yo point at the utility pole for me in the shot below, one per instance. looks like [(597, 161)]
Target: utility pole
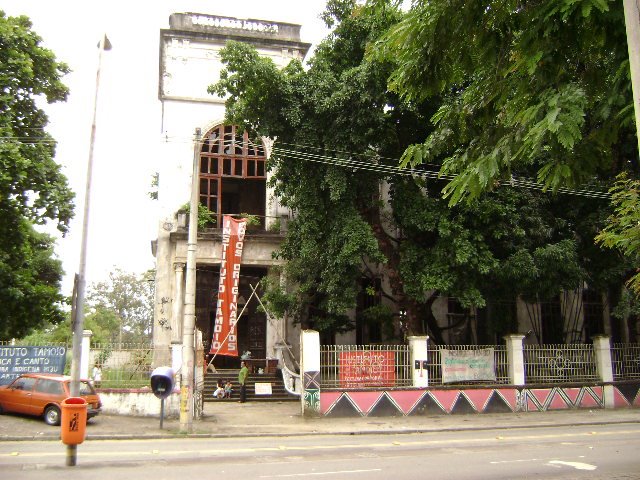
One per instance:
[(632, 22), (189, 322), (78, 318)]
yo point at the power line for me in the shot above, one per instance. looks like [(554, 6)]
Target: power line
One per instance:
[(353, 163), (368, 166), (388, 170)]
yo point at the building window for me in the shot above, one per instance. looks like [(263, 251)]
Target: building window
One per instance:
[(233, 174)]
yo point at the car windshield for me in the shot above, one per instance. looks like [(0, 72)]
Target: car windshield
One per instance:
[(24, 383), (86, 389)]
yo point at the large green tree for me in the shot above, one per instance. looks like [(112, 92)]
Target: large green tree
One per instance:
[(128, 296), (499, 245), (533, 89), (526, 88), (32, 188)]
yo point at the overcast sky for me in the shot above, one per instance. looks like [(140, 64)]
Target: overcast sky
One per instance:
[(122, 218)]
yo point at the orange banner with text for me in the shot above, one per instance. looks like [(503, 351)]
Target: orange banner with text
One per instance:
[(225, 337)]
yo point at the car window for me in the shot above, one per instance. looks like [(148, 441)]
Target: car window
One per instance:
[(25, 383), (50, 386), (86, 389)]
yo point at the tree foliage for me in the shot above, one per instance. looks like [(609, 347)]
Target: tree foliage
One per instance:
[(500, 244), (100, 321), (526, 88), (337, 104), (130, 298), (32, 188), (622, 231), (29, 282)]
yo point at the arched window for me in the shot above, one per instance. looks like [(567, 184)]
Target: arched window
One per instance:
[(232, 173)]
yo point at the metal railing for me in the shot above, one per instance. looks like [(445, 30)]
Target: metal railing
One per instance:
[(123, 365), (364, 366), (435, 362), (625, 359), (373, 366), (560, 363)]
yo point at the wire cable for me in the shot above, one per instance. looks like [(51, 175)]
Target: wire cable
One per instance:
[(300, 152)]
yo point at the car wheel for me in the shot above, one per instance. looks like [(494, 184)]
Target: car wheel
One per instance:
[(52, 415), (1, 410)]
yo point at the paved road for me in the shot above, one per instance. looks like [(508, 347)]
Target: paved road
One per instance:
[(583, 451), (284, 418)]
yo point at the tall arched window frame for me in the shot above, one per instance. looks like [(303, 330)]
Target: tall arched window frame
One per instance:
[(228, 161)]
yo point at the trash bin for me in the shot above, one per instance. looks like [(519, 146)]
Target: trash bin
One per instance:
[(73, 421)]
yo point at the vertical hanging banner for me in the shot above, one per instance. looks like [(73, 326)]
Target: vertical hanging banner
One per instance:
[(225, 337)]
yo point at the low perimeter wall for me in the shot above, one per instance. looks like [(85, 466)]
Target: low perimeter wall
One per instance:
[(138, 402), (507, 399)]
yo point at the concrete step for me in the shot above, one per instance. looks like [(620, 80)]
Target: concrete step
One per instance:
[(278, 392)]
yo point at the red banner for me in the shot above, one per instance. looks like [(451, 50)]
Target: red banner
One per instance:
[(364, 368), (225, 337)]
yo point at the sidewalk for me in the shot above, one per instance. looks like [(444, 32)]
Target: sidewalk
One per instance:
[(227, 419)]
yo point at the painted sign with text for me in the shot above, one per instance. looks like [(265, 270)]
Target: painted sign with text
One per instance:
[(363, 368), (467, 365), (14, 361), (225, 337)]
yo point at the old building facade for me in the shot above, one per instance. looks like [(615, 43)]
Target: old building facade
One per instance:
[(232, 179)]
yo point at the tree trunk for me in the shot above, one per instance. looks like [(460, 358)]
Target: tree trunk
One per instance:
[(433, 329)]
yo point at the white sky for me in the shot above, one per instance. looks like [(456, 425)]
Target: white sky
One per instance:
[(122, 217)]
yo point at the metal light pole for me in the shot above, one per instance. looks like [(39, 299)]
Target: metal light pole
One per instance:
[(189, 322), (78, 317)]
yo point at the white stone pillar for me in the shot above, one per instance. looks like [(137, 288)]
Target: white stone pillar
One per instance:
[(178, 303), (310, 372), (515, 359), (276, 329), (84, 353), (164, 291), (419, 354), (604, 367)]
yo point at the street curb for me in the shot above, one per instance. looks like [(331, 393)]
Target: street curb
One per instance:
[(161, 436)]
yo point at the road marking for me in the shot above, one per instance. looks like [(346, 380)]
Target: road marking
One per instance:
[(576, 465), (320, 473), (498, 462), (89, 452)]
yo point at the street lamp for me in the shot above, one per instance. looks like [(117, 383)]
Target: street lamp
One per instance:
[(78, 311), (187, 384)]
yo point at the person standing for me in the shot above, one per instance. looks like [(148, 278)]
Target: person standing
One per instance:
[(242, 378), (96, 375)]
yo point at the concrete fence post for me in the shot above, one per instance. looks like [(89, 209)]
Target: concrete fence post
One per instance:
[(85, 349), (515, 359), (419, 355), (310, 372), (604, 366)]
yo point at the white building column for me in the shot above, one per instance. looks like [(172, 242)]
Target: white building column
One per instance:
[(419, 354), (276, 329), (164, 291), (604, 367), (515, 359), (310, 372)]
